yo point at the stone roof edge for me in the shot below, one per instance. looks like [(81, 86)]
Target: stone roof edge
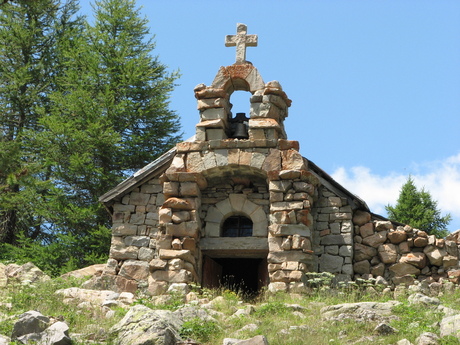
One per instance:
[(355, 201), (139, 177)]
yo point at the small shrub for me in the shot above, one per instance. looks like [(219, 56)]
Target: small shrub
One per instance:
[(174, 302), (317, 280), (230, 296), (271, 308), (199, 329)]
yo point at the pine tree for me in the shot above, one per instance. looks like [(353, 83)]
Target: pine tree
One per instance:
[(110, 116), (134, 84), (84, 106), (419, 210), (31, 33)]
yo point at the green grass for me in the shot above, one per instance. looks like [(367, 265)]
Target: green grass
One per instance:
[(272, 314), (18, 299)]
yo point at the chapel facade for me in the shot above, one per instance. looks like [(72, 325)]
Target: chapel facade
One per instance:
[(238, 205)]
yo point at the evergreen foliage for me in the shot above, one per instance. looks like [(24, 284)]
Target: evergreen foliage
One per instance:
[(31, 36), (417, 209), (95, 110)]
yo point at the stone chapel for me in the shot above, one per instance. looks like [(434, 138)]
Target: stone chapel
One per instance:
[(237, 205)]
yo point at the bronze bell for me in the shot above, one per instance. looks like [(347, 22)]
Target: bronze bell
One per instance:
[(241, 131), (240, 128)]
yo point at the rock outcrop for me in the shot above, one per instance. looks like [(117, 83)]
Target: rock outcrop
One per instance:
[(35, 328), (21, 274), (144, 326)]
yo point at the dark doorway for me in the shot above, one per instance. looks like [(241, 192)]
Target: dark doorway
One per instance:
[(245, 276)]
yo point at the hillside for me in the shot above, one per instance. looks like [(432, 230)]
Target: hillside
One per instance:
[(357, 313)]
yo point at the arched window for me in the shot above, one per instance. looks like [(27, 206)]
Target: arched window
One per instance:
[(237, 226)]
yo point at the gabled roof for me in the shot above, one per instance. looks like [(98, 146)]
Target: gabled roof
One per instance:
[(139, 177), (160, 164)]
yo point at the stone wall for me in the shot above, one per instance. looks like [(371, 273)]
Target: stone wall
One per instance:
[(333, 240), (400, 254), (353, 244), (135, 223), (289, 239)]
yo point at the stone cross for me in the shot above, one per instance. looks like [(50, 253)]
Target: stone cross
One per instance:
[(241, 40)]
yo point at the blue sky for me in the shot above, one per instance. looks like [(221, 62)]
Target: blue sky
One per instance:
[(375, 85)]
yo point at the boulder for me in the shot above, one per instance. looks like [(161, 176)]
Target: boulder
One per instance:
[(362, 267), (454, 236), (366, 230), (111, 282), (404, 342), (92, 297), (25, 274), (378, 270), (250, 328), (450, 325), (406, 280), (361, 217), (435, 254), (93, 270), (419, 298), (364, 311), (32, 326), (454, 276), (189, 312), (397, 236), (449, 261), (420, 242), (376, 239), (384, 329), (30, 322), (427, 338), (401, 269), (388, 253), (144, 326), (415, 259), (363, 252), (56, 334), (383, 225), (4, 340), (451, 248), (135, 270)]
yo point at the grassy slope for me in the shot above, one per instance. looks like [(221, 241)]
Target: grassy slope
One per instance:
[(271, 315)]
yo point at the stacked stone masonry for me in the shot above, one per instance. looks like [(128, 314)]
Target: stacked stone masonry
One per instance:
[(302, 220), (333, 234), (401, 254)]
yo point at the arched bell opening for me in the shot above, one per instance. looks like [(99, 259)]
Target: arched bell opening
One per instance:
[(239, 115)]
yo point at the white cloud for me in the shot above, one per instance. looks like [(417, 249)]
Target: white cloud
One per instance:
[(440, 178)]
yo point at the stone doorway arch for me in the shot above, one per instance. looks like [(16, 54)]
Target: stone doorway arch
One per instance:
[(238, 263), (236, 204)]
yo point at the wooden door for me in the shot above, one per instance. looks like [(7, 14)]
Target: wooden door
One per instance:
[(263, 278), (212, 273)]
